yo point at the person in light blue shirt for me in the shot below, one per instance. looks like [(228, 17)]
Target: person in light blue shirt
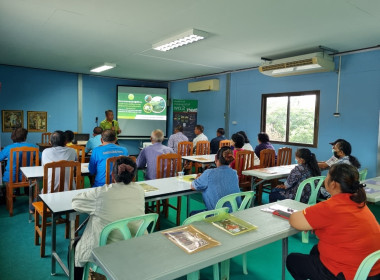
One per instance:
[(95, 141), (218, 182), (99, 156), (19, 138)]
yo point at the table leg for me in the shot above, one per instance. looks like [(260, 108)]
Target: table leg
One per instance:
[(53, 243), (71, 263), (284, 255), (30, 199), (253, 188)]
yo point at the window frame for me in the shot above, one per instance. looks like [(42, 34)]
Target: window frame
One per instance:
[(291, 94)]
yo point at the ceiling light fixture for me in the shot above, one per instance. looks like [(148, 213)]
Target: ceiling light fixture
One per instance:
[(106, 66), (188, 37)]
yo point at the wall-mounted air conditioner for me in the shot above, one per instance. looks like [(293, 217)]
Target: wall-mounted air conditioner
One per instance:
[(207, 85), (297, 65)]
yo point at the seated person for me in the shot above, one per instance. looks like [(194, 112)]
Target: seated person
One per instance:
[(18, 137), (237, 143), (119, 200), (307, 167), (264, 143), (198, 130), (214, 144), (247, 146), (342, 153), (327, 164), (99, 156), (95, 141), (69, 137), (148, 156), (346, 228), (218, 182), (176, 138), (58, 152)]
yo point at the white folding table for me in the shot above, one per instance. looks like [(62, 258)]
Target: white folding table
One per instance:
[(153, 256), (59, 203), (373, 189), (204, 159)]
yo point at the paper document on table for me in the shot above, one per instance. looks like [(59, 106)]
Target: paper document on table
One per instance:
[(201, 158), (148, 188), (187, 178), (371, 190), (265, 170), (372, 182), (231, 224), (276, 207)]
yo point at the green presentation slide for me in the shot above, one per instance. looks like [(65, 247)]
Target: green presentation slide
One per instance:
[(141, 106)]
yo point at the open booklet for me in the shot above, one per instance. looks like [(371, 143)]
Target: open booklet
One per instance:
[(147, 188), (190, 239), (231, 224), (279, 210), (187, 178)]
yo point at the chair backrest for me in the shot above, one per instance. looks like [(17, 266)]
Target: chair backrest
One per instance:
[(224, 143), (109, 166), (244, 160), (203, 215), (366, 265), (168, 165), (185, 148), (20, 157), (122, 226), (284, 156), (363, 174), (62, 167), (80, 152), (314, 188), (231, 199), (203, 148), (45, 137), (267, 157)]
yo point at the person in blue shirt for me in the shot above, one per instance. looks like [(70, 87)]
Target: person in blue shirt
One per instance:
[(19, 138), (218, 182), (214, 144), (95, 141), (99, 156)]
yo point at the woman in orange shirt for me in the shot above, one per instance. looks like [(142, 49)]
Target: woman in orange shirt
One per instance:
[(347, 230)]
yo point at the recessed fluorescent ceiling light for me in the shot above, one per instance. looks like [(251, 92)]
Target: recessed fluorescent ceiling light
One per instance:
[(106, 66), (180, 40)]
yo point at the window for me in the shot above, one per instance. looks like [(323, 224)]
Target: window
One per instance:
[(291, 118)]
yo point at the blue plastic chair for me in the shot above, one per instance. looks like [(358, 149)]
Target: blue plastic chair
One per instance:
[(246, 197), (313, 196), (122, 226), (366, 266), (200, 217)]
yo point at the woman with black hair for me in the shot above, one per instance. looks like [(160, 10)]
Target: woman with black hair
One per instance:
[(217, 182), (119, 200), (237, 143), (247, 146), (342, 151), (347, 230), (307, 167), (263, 139)]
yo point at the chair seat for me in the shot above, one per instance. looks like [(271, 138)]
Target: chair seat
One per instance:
[(38, 206)]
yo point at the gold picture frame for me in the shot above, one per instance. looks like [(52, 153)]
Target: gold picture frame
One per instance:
[(12, 119), (37, 121)]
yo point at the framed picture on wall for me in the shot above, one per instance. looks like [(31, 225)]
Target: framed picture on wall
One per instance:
[(12, 119), (37, 121)]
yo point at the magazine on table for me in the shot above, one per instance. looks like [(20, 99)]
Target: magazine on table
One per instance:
[(231, 224), (147, 187), (190, 239), (187, 178)]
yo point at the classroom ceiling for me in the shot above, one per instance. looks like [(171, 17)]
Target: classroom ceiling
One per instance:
[(74, 35)]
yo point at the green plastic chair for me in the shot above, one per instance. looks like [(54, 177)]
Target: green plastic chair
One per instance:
[(363, 174), (313, 196), (200, 217), (122, 226), (246, 197), (231, 198), (366, 266)]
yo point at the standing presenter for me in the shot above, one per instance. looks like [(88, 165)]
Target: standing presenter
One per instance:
[(110, 123)]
